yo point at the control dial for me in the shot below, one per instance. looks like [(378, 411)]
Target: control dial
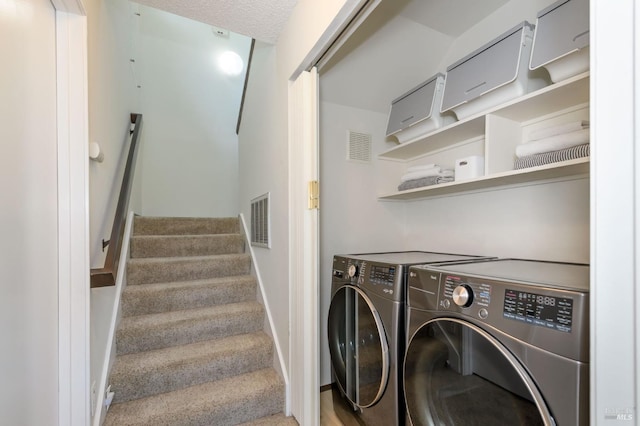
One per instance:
[(463, 296), (353, 271)]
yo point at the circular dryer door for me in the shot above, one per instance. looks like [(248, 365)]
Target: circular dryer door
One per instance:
[(457, 374), (358, 346)]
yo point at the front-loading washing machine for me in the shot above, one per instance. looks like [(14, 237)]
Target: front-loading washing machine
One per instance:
[(502, 342), (366, 330)]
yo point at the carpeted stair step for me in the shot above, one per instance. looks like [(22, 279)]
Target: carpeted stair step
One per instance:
[(177, 296), (144, 225), (230, 401), (156, 331), (276, 420), (168, 269), (185, 245), (148, 373)]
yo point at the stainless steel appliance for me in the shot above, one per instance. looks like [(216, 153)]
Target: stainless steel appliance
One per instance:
[(366, 330), (498, 342)]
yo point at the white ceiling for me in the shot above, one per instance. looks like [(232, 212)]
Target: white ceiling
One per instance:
[(259, 19)]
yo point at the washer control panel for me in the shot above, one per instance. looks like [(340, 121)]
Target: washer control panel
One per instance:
[(381, 278), (382, 275), (542, 313)]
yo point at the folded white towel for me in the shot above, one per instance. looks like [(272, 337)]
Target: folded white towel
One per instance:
[(421, 167), (553, 143), (434, 172), (419, 174), (558, 130)]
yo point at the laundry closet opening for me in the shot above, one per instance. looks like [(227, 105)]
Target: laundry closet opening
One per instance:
[(490, 205)]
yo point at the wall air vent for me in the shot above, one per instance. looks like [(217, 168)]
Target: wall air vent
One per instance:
[(358, 147), (260, 229)]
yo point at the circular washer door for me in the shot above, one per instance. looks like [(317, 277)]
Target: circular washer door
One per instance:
[(455, 373), (358, 346)]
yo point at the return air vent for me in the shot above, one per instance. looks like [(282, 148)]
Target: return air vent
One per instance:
[(359, 147), (260, 232)]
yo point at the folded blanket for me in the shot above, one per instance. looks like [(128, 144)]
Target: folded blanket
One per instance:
[(426, 181), (434, 171), (553, 143), (558, 130), (572, 153)]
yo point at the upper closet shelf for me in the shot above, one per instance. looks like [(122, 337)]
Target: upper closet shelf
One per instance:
[(555, 97), (563, 170)]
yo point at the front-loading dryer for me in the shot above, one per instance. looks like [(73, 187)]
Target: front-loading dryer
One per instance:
[(503, 342), (366, 330)]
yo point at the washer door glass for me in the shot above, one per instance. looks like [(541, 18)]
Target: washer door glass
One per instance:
[(457, 374), (358, 346)]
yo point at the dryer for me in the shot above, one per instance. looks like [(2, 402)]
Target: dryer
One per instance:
[(366, 329), (498, 342)]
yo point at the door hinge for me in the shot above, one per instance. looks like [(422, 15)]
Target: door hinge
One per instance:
[(314, 195)]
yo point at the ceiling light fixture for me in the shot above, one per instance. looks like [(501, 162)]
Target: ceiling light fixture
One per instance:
[(230, 63)]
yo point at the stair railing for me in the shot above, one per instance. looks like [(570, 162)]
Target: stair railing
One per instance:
[(106, 276)]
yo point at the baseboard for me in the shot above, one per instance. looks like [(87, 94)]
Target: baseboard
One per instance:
[(265, 301), (109, 356), (327, 387)]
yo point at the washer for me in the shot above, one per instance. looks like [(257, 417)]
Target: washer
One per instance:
[(498, 342), (366, 329)]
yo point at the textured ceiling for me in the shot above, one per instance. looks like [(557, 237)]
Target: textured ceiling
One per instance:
[(259, 19)]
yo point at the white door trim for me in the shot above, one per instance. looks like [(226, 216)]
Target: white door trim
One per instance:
[(303, 103), (615, 244), (73, 214), (303, 249)]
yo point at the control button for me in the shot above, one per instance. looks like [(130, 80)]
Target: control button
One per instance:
[(353, 271), (483, 313), (463, 296), (446, 303)]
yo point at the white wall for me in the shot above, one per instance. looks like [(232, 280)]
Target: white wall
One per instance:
[(112, 97), (307, 25), (263, 168), (28, 217), (190, 153), (540, 221), (263, 156), (354, 70), (351, 219)]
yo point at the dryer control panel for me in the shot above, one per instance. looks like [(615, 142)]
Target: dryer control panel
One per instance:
[(463, 295), (543, 310)]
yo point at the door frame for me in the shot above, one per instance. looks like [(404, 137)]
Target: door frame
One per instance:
[(303, 399), (615, 237), (615, 206), (73, 213), (303, 253)]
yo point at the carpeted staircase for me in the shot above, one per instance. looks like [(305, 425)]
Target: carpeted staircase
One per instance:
[(190, 344)]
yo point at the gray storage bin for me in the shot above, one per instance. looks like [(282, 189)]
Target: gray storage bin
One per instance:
[(561, 40), (417, 112), (493, 74)]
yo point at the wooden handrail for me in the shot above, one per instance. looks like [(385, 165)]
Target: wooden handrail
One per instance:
[(106, 276), (246, 82)]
